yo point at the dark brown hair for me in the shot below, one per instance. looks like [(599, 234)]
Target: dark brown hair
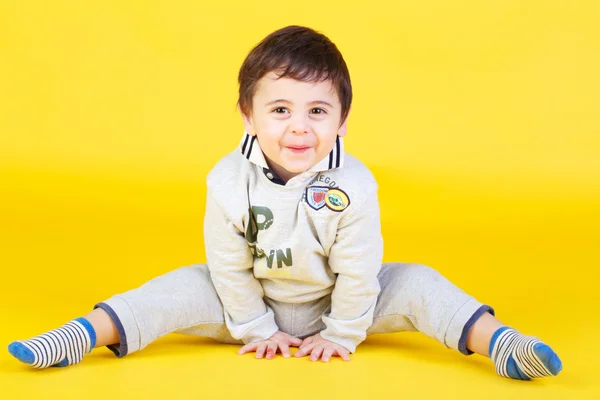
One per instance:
[(299, 53)]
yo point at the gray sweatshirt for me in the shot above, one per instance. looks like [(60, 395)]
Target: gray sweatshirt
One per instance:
[(318, 234)]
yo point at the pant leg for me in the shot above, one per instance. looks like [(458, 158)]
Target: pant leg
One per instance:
[(180, 301), (415, 297)]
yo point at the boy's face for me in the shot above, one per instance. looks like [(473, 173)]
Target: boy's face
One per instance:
[(296, 122)]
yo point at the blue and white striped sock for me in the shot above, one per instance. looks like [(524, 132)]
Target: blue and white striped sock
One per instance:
[(60, 347), (522, 357)]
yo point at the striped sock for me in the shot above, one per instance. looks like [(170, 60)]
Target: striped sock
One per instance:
[(522, 357), (60, 347)]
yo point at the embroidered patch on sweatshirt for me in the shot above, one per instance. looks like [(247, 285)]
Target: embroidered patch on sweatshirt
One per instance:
[(315, 196), (318, 197), (336, 200)]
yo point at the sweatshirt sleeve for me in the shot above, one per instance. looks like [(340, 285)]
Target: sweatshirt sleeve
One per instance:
[(230, 263), (355, 257)]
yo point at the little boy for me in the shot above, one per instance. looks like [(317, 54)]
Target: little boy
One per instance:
[(293, 244)]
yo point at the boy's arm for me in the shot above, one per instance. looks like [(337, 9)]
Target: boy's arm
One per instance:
[(356, 258), (230, 263)]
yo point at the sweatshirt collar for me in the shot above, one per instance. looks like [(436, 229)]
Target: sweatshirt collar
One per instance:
[(250, 148)]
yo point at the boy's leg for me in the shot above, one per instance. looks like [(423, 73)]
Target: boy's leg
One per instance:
[(105, 328), (416, 297), (182, 301), (176, 302)]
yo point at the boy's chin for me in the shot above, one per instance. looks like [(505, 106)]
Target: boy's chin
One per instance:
[(298, 168)]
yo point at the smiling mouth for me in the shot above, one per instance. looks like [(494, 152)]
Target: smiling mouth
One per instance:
[(298, 149)]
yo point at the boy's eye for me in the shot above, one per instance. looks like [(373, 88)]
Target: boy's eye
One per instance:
[(280, 110), (318, 111)]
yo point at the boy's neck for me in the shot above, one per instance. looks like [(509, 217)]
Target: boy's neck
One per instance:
[(281, 172)]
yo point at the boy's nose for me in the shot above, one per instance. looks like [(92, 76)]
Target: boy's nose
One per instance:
[(299, 126)]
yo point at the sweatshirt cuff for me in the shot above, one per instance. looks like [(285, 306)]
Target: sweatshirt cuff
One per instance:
[(347, 333), (344, 341), (258, 329)]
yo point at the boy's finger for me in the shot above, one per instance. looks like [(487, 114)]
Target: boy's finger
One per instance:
[(271, 349), (342, 352), (316, 353), (295, 341), (304, 350), (306, 341), (246, 348), (285, 349), (327, 353), (260, 352)]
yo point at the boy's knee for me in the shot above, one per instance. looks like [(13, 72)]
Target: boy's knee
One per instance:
[(198, 273), (409, 272), (199, 268), (187, 278), (425, 272)]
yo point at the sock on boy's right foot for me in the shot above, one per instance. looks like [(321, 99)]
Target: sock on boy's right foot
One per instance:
[(60, 347)]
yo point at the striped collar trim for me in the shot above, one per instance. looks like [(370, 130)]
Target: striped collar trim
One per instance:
[(251, 150)]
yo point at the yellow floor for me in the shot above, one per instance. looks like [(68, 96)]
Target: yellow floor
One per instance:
[(59, 260)]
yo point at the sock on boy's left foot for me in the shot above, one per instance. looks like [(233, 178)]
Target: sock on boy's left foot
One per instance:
[(60, 347), (522, 357)]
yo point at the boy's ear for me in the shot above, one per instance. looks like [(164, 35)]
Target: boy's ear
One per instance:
[(342, 130), (247, 120)]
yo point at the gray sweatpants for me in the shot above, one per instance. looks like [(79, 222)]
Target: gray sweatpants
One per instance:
[(413, 297)]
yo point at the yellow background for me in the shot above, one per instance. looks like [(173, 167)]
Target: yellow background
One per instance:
[(479, 119)]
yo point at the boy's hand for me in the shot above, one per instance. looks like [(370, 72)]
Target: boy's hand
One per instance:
[(280, 340), (316, 346)]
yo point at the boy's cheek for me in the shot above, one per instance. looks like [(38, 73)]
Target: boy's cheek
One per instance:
[(269, 126)]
